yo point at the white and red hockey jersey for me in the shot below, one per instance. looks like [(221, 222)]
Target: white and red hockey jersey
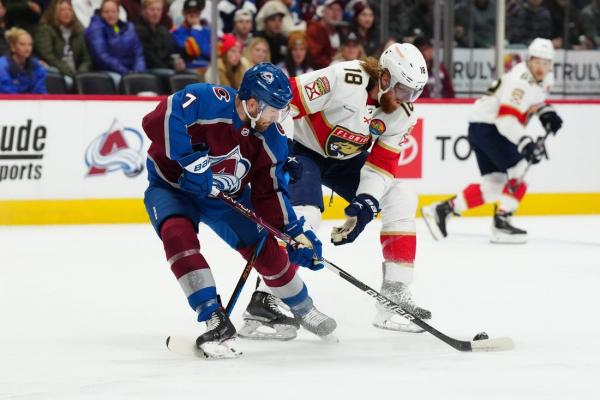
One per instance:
[(332, 118), (511, 100)]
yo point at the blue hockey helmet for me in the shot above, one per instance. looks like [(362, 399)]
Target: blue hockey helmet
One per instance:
[(267, 84)]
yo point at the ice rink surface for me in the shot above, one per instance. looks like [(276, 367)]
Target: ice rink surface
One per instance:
[(85, 310)]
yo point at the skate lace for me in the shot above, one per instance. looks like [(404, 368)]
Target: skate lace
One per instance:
[(314, 317), (213, 322), (273, 303)]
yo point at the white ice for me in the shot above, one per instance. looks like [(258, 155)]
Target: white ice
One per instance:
[(85, 310)]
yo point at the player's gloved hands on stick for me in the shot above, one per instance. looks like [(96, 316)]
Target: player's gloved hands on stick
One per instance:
[(533, 152), (309, 251), (549, 119), (359, 213), (197, 175), (293, 167)]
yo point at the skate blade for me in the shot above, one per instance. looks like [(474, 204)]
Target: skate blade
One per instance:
[(256, 330), (508, 239), (220, 350), (330, 339), (497, 344), (387, 323), (431, 223)]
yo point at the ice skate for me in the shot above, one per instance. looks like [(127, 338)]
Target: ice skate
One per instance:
[(399, 293), (504, 232), (219, 339), (436, 217), (264, 319), (318, 323)]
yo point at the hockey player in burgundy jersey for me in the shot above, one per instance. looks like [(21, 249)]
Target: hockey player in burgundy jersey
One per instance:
[(503, 151), (340, 112), (207, 136)]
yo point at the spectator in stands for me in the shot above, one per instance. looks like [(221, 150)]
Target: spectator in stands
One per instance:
[(322, 34), (135, 8), (419, 19), (292, 21), (363, 25), (3, 44), (590, 22), (114, 44), (193, 38), (269, 26), (475, 25), (530, 20), (423, 43), (227, 9), (398, 24), (157, 42), (85, 9), (257, 52), (243, 26), (231, 65), (19, 71), (297, 60), (558, 12), (23, 13), (60, 43), (349, 50)]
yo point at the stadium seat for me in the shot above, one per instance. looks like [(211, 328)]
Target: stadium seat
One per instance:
[(141, 84), (179, 81), (95, 83), (56, 84)]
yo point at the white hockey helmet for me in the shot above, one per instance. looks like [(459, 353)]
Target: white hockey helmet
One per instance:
[(408, 71), (541, 48)]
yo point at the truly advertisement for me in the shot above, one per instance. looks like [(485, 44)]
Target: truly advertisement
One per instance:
[(22, 148)]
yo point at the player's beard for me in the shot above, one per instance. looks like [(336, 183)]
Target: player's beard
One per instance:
[(388, 102), (262, 126)]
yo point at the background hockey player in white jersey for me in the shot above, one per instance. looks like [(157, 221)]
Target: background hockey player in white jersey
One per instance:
[(503, 151), (341, 111)]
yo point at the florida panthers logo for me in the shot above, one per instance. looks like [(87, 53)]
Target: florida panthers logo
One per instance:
[(119, 148), (342, 143), (229, 170)]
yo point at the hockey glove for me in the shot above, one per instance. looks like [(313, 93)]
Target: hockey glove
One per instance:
[(550, 119), (197, 175), (309, 250), (533, 152), (293, 168), (359, 213)]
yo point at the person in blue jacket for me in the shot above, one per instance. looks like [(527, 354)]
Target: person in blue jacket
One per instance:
[(193, 36), (114, 44), (19, 72)]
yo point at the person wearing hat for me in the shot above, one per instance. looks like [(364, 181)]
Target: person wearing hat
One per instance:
[(322, 34), (423, 43), (270, 19), (231, 66), (350, 49), (227, 10), (193, 38), (243, 26), (297, 60)]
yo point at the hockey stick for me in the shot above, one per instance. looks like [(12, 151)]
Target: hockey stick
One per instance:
[(244, 277), (461, 345), (541, 140)]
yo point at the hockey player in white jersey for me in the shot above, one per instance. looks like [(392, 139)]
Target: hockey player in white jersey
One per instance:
[(341, 112), (503, 151)]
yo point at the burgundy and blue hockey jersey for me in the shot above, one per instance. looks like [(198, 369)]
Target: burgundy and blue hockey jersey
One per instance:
[(205, 114)]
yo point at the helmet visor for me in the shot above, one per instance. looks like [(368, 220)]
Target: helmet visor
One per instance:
[(271, 114), (405, 94)]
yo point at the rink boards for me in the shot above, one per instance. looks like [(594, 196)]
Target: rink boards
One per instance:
[(81, 159)]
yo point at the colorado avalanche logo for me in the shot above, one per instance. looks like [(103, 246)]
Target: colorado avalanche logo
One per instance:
[(118, 148), (267, 76), (229, 170), (221, 93)]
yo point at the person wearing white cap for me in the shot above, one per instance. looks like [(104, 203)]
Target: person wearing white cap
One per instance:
[(269, 26), (503, 150), (242, 26)]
